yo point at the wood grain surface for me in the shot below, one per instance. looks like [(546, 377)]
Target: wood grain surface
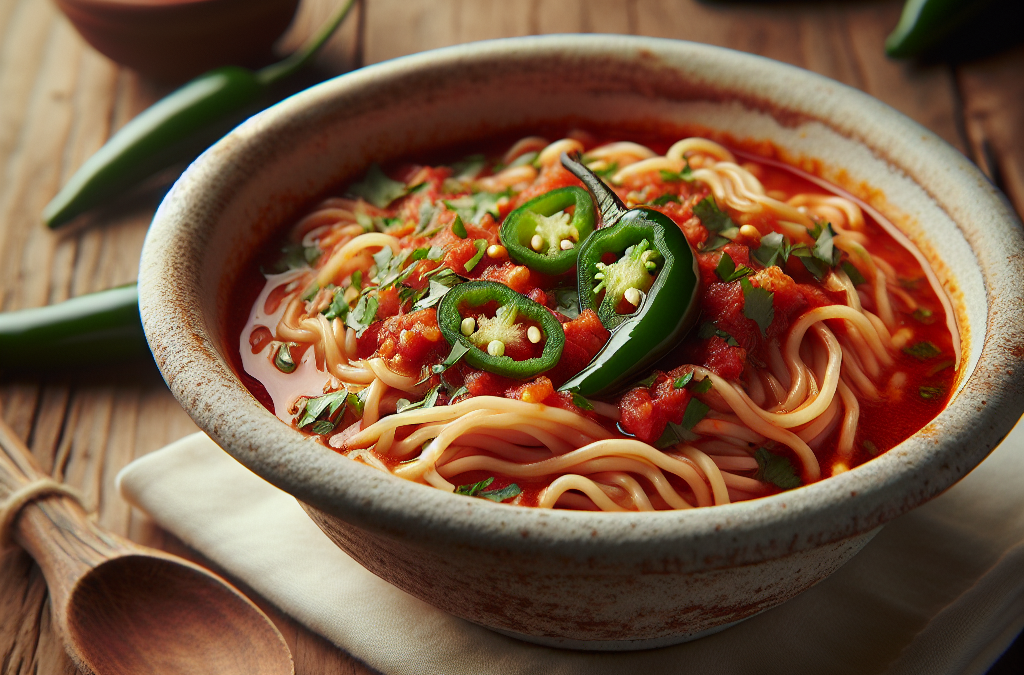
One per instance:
[(59, 101)]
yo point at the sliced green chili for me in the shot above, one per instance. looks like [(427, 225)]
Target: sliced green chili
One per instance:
[(541, 235), (177, 128), (503, 327), (655, 272)]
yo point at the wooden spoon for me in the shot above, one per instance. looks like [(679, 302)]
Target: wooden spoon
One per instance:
[(123, 609)]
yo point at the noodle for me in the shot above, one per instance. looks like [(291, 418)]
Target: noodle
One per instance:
[(762, 402)]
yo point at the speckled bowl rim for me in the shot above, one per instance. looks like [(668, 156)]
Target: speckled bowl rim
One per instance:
[(979, 416)]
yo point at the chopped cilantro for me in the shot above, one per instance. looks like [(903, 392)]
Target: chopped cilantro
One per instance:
[(458, 351), (774, 246), (696, 409), (469, 166), (710, 329), (472, 208), (362, 315), (427, 213), (922, 350), (727, 270), (377, 188), (682, 380), (777, 470), (930, 393), (479, 490), (294, 256), (855, 276), (357, 280), (459, 228), (608, 171), (686, 175), (428, 401), (823, 256), (322, 411), (720, 226), (665, 199), (940, 366), (338, 308), (870, 447), (647, 381), (758, 305), (442, 281), (701, 386), (481, 246), (580, 401)]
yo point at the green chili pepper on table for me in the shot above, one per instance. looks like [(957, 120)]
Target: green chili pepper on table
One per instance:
[(540, 234), (484, 337), (925, 24), (655, 272), (177, 129), (89, 329)]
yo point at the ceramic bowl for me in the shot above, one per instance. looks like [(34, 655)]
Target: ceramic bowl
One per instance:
[(173, 40), (576, 579)]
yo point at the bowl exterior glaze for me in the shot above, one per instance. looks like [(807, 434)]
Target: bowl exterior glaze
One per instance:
[(588, 580)]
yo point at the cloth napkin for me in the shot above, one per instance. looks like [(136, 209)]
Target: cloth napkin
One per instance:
[(939, 590)]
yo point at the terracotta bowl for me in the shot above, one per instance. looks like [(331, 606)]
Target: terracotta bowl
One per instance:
[(585, 580), (174, 40)]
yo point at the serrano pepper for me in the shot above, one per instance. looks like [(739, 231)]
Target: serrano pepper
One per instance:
[(647, 297), (540, 233)]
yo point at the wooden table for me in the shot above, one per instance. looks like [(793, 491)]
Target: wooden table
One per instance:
[(59, 100)]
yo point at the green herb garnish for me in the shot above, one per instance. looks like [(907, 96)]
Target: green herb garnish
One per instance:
[(727, 270), (481, 246), (377, 188), (758, 305), (922, 350), (777, 470)]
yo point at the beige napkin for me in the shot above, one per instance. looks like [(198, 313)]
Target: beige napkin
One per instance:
[(940, 590)]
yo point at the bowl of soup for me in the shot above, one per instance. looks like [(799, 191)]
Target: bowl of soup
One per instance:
[(600, 342)]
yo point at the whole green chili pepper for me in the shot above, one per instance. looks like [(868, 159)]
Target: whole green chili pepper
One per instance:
[(926, 23), (176, 129), (540, 235), (505, 325), (655, 272), (89, 329)]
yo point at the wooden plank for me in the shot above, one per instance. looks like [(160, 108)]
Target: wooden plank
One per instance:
[(992, 90)]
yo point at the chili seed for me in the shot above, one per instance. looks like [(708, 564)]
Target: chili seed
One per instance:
[(750, 232), (566, 244), (496, 251), (632, 296), (468, 326), (496, 348), (537, 243), (533, 333)]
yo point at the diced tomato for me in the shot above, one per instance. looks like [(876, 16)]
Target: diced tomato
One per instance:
[(584, 338), (517, 277), (410, 342), (646, 412)]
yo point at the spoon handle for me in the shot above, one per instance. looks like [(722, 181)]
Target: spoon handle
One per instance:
[(55, 530)]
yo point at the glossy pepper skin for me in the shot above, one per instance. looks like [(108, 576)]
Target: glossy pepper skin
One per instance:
[(176, 129), (94, 328), (667, 311), (477, 293), (521, 225), (925, 24)]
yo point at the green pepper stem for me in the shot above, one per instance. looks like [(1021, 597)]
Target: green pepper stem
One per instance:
[(608, 203), (281, 70)]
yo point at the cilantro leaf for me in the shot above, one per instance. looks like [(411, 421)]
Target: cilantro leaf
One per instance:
[(377, 188), (472, 208), (322, 411), (777, 470), (758, 305), (481, 246), (774, 246), (930, 393), (459, 350), (922, 350), (717, 222), (362, 315), (922, 314), (608, 171), (428, 401), (701, 386), (870, 447), (338, 307), (675, 434), (580, 401), (727, 270), (855, 276), (682, 380), (695, 411), (647, 381), (941, 366), (479, 490), (665, 199), (459, 228), (294, 256), (473, 489), (427, 213), (686, 175), (710, 329), (441, 281)]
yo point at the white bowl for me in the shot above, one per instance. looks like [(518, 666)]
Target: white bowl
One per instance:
[(585, 580)]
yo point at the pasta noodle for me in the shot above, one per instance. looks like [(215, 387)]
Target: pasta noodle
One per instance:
[(821, 342)]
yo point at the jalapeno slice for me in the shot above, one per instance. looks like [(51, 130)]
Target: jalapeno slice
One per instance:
[(489, 337), (542, 236), (647, 295)]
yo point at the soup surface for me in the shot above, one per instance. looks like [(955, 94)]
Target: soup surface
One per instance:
[(717, 327)]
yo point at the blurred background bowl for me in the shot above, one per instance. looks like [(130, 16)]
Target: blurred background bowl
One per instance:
[(174, 40)]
